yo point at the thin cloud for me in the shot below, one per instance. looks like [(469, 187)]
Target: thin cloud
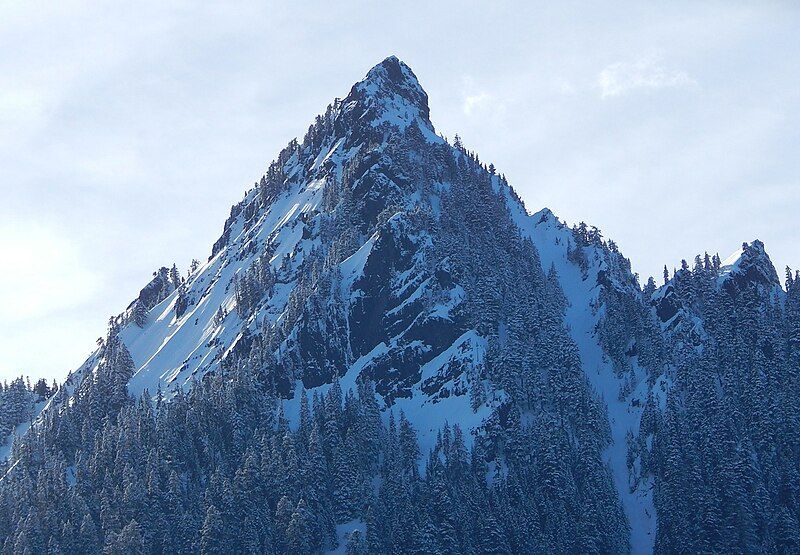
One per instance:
[(46, 274), (621, 78), (475, 101)]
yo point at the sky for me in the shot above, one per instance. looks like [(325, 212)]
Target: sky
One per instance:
[(127, 130)]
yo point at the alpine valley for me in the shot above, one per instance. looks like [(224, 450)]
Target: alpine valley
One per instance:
[(387, 353)]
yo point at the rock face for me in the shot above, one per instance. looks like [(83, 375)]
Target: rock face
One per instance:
[(343, 231)]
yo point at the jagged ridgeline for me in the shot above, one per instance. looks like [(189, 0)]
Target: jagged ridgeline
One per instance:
[(385, 353)]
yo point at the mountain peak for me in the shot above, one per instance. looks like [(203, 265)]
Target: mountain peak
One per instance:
[(395, 71), (751, 263), (393, 91)]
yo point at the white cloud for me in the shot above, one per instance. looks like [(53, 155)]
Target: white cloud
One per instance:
[(475, 101), (564, 87), (476, 98), (645, 73), (42, 273), (20, 105)]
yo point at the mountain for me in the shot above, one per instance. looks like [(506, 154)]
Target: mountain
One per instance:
[(386, 352)]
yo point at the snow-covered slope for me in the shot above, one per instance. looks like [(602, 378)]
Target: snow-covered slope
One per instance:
[(554, 241), (417, 352)]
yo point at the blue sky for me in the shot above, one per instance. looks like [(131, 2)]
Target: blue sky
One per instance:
[(126, 132)]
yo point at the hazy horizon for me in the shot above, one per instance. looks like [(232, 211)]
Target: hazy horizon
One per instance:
[(126, 134)]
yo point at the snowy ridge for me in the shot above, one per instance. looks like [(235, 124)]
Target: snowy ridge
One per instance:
[(749, 265), (194, 339), (553, 239)]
